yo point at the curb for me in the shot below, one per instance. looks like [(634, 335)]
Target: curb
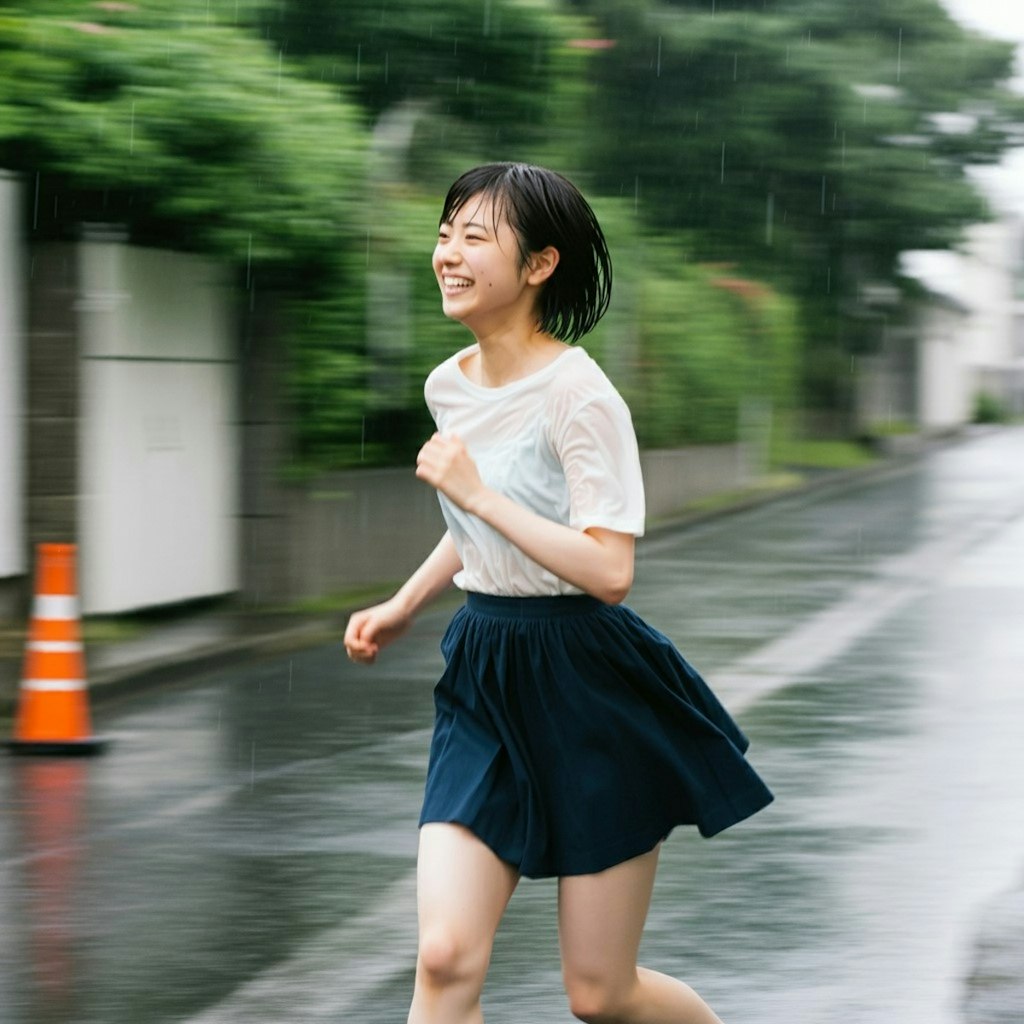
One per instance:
[(822, 481), (118, 682)]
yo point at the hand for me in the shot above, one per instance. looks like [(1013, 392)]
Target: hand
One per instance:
[(373, 628), (445, 464)]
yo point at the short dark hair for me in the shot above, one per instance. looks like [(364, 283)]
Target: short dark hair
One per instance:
[(544, 208)]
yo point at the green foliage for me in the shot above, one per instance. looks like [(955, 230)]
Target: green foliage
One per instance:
[(688, 344), (891, 428), (708, 346), (989, 409), (191, 132), (754, 163), (810, 454), (188, 130), (810, 140), (481, 75)]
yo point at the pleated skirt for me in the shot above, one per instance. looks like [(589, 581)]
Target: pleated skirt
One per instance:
[(570, 736)]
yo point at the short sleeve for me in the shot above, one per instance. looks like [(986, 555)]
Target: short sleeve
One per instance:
[(429, 395), (598, 452)]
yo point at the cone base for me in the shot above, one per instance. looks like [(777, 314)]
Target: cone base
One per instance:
[(62, 748)]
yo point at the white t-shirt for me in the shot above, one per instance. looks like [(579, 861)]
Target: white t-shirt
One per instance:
[(559, 442)]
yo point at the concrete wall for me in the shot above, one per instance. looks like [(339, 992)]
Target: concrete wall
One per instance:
[(945, 384), (12, 384), (52, 406), (676, 478), (159, 439), (363, 526), (264, 537), (887, 391), (375, 526)]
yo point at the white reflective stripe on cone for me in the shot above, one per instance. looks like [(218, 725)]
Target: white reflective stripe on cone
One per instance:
[(53, 684), (55, 606), (54, 646)]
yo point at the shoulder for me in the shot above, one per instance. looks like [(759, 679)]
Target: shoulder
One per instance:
[(583, 402), (580, 382), (443, 380)]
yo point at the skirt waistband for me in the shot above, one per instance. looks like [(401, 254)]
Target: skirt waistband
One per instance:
[(532, 607)]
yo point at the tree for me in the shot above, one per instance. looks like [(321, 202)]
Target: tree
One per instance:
[(483, 74), (440, 87), (810, 141), (179, 125), (191, 133)]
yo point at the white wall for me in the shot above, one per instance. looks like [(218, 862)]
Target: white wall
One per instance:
[(12, 384), (988, 288), (945, 380), (981, 353), (158, 468)]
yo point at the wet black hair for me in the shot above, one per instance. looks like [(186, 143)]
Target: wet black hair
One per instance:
[(544, 208)]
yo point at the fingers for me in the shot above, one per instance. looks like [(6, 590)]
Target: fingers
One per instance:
[(439, 447), (429, 461), (360, 652), (362, 655), (359, 634), (437, 458)]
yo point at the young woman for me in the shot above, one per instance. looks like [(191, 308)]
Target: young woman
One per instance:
[(570, 737)]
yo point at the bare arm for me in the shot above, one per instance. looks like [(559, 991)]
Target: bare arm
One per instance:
[(598, 561), (431, 579), (373, 628)]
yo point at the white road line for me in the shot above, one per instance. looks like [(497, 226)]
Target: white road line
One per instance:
[(823, 637)]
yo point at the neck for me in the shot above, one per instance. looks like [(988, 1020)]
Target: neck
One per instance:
[(508, 357)]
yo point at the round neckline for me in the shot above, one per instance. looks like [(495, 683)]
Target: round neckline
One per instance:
[(513, 385)]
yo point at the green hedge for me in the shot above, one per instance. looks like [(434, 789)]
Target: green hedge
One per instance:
[(686, 344)]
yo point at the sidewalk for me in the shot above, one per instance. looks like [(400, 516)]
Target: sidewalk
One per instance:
[(155, 650)]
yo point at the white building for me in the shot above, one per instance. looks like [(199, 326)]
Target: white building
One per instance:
[(970, 336)]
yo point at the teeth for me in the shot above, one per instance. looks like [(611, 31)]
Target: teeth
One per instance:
[(456, 282)]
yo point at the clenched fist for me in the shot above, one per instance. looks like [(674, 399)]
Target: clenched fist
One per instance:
[(445, 464)]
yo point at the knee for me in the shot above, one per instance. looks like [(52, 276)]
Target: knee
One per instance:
[(595, 1001), (445, 960)]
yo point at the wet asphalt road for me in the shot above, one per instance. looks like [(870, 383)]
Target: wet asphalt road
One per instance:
[(245, 851)]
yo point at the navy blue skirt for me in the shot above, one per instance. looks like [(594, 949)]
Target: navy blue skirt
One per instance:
[(571, 736)]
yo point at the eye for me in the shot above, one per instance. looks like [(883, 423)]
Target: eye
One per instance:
[(474, 238)]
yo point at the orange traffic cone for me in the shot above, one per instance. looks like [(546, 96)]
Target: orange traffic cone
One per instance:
[(53, 706)]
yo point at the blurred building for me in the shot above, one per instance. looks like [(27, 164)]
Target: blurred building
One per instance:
[(965, 343)]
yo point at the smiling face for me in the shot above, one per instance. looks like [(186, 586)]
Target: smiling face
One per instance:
[(484, 284)]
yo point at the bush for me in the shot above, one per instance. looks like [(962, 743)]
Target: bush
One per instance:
[(989, 409), (689, 344)]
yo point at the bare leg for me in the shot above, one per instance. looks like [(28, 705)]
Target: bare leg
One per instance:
[(600, 921), (462, 891)]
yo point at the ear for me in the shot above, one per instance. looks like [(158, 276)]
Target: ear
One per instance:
[(541, 265)]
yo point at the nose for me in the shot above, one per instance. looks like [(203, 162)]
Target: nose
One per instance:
[(448, 253)]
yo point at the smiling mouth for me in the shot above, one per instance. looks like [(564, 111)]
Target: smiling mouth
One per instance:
[(455, 284)]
